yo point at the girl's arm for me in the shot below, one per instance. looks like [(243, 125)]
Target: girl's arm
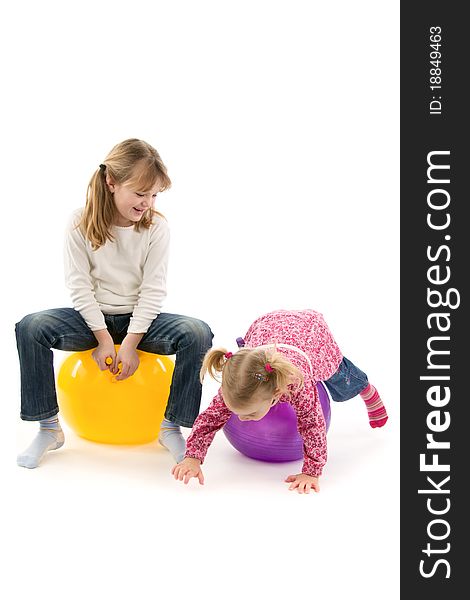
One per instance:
[(79, 281), (151, 295), (312, 428), (78, 278), (153, 288), (205, 427)]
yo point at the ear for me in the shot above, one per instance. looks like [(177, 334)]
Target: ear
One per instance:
[(110, 183)]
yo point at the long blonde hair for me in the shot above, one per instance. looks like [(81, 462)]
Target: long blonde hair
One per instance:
[(251, 373), (133, 162)]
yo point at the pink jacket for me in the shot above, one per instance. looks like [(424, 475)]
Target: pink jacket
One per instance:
[(308, 333)]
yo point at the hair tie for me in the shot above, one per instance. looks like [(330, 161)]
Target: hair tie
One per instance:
[(240, 342), (268, 368), (103, 168), (228, 355)]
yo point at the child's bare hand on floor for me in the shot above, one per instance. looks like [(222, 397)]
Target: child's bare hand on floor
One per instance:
[(303, 483), (187, 468)]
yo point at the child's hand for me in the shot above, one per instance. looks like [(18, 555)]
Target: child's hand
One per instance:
[(104, 351), (126, 362), (187, 468), (303, 482)]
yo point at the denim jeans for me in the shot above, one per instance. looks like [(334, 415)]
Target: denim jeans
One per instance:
[(347, 382), (65, 329)]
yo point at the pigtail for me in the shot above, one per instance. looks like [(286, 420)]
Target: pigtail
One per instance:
[(213, 363), (99, 211), (282, 372)]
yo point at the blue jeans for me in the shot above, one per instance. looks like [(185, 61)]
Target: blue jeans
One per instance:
[(65, 329), (347, 382)]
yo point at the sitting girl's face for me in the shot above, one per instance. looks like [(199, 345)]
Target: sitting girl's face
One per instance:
[(130, 204)]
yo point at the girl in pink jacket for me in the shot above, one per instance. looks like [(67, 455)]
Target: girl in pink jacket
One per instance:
[(283, 356)]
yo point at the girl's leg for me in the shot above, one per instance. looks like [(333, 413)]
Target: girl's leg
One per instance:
[(189, 339), (36, 334), (348, 382), (375, 407)]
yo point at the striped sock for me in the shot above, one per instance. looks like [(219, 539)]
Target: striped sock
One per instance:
[(375, 407)]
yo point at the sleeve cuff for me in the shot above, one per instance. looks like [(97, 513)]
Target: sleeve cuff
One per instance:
[(314, 471)]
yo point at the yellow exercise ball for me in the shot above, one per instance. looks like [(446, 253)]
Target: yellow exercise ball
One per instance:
[(99, 408)]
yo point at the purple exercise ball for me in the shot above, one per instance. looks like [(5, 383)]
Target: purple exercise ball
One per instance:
[(275, 437)]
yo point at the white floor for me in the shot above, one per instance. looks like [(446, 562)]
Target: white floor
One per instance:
[(109, 521)]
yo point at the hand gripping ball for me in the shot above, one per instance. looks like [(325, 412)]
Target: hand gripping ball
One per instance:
[(99, 408), (275, 437)]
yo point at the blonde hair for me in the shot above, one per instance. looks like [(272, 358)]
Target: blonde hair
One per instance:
[(132, 162), (244, 374)]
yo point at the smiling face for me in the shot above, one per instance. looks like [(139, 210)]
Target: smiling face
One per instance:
[(131, 204), (135, 194)]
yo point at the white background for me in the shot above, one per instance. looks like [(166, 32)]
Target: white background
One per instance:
[(278, 123)]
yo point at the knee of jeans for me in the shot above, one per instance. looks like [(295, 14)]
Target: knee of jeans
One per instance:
[(198, 332), (31, 325)]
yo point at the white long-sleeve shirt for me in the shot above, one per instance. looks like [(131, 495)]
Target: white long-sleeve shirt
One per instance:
[(127, 275)]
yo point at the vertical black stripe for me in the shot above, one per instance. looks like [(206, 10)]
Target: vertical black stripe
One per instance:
[(434, 267)]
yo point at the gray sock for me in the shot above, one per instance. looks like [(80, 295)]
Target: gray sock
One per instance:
[(49, 437), (171, 437)]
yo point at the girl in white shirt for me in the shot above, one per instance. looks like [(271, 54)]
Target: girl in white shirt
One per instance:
[(116, 257)]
